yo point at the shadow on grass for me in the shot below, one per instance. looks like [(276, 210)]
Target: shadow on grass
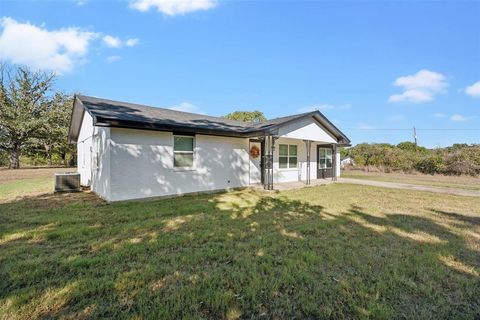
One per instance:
[(230, 255), (460, 217)]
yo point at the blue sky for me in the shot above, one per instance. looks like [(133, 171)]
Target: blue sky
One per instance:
[(367, 65)]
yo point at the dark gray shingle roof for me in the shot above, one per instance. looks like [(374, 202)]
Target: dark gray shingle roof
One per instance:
[(122, 114)]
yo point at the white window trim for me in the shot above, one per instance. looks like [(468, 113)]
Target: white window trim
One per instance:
[(288, 157), (191, 168)]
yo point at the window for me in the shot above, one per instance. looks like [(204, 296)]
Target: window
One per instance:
[(183, 151), (325, 156), (287, 156)]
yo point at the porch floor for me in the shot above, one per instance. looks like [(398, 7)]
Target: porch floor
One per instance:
[(281, 186)]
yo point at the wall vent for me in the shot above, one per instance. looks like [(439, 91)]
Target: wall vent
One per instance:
[(67, 182)]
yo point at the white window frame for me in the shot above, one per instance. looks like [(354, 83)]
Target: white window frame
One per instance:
[(192, 167), (288, 156), (325, 157)]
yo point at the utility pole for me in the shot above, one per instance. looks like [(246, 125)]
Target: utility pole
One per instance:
[(415, 136)]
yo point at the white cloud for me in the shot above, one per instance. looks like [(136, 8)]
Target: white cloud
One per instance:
[(323, 107), (458, 118), (412, 96), (111, 59), (186, 107), (439, 115), (58, 50), (420, 87), (112, 42), (131, 42), (173, 7), (115, 42), (473, 90)]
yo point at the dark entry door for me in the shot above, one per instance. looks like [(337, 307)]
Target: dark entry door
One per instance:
[(324, 161)]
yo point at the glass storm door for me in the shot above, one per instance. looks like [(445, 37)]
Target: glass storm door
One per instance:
[(324, 162)]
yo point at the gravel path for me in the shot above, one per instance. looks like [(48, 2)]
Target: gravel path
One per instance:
[(408, 186)]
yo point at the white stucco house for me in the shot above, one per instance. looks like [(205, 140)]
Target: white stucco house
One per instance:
[(130, 151)]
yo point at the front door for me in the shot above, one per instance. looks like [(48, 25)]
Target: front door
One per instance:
[(255, 150), (324, 161)]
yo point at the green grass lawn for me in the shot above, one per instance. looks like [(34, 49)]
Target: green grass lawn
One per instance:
[(463, 182), (336, 251)]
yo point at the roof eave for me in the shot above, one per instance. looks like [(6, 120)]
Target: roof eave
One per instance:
[(76, 119), (104, 122)]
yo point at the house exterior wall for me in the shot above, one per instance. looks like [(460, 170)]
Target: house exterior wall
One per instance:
[(93, 157), (306, 129), (101, 162), (84, 144), (141, 164), (121, 164), (299, 173), (294, 133)]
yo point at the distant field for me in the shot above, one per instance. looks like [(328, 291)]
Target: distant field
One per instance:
[(460, 182), (22, 182)]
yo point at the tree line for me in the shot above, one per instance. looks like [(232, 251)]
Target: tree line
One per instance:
[(457, 159), (34, 120)]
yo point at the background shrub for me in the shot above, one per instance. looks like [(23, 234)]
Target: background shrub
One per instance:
[(406, 157)]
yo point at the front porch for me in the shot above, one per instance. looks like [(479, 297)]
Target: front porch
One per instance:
[(283, 186), (282, 163)]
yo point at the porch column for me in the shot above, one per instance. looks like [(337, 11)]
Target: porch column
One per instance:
[(269, 150), (272, 151), (308, 144), (266, 184), (268, 163), (334, 162)]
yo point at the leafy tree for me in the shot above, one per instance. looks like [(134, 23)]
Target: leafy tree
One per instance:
[(407, 146), (411, 147), (431, 164), (366, 154), (22, 107), (344, 152), (3, 158), (247, 116), (53, 135)]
